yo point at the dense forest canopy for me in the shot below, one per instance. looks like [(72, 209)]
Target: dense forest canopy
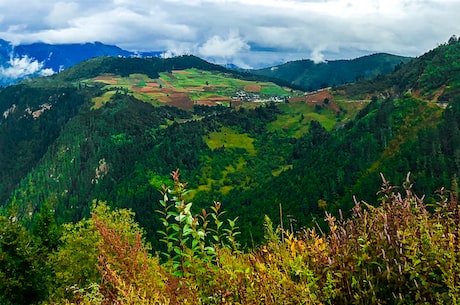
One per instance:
[(86, 158)]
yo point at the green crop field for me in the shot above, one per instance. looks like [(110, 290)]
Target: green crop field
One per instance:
[(228, 138), (217, 82), (295, 118), (198, 86)]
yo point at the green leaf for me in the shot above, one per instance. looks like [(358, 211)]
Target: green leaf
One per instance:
[(194, 243), (354, 282), (172, 214), (162, 233), (187, 264), (175, 227), (210, 249), (187, 230), (187, 208)]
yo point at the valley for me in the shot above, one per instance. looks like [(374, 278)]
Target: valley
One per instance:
[(183, 170)]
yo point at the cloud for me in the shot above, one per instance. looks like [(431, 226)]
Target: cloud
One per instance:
[(61, 13), (46, 72), (21, 67), (317, 56), (220, 47), (228, 29)]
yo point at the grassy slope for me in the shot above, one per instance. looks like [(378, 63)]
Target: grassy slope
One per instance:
[(229, 138)]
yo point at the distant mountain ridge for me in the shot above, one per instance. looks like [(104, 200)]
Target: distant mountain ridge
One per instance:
[(311, 76), (41, 59)]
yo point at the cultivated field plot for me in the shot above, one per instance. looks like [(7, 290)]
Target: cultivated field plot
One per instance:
[(186, 88), (228, 138)]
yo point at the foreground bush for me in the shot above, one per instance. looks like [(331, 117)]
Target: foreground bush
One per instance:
[(400, 252)]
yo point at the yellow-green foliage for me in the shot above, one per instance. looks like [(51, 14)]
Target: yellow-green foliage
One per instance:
[(229, 138), (226, 138), (223, 183), (99, 101), (351, 107), (295, 118), (395, 253), (103, 258)]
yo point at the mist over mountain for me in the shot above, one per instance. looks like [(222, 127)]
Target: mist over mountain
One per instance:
[(42, 59)]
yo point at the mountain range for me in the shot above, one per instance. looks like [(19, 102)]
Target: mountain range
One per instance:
[(144, 180), (41, 59), (113, 128), (38, 59), (312, 76)]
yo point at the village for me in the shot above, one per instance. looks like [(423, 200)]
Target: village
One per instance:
[(245, 96)]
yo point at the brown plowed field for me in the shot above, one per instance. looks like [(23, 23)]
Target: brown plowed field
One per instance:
[(252, 88), (107, 79), (180, 100), (180, 72), (317, 98), (213, 100), (145, 89)]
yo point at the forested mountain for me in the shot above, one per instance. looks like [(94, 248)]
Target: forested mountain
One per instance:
[(432, 76), (410, 125), (311, 76), (53, 135), (29, 60), (106, 135)]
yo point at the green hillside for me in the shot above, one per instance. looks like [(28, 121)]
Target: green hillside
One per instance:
[(129, 129), (434, 76), (86, 158), (233, 139), (312, 76)]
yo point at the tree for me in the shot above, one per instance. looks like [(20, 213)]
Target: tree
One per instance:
[(453, 39), (21, 265), (96, 251), (46, 229), (75, 261)]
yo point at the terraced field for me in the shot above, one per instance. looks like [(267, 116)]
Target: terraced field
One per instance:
[(185, 88)]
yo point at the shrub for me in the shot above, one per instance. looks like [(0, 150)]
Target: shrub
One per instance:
[(400, 252)]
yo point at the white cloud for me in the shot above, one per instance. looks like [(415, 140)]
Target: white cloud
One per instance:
[(20, 67), (317, 56), (61, 13), (220, 47), (316, 29), (47, 72)]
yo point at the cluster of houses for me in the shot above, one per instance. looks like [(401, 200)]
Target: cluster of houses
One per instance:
[(244, 96)]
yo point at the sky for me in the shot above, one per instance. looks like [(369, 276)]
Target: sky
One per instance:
[(248, 33)]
